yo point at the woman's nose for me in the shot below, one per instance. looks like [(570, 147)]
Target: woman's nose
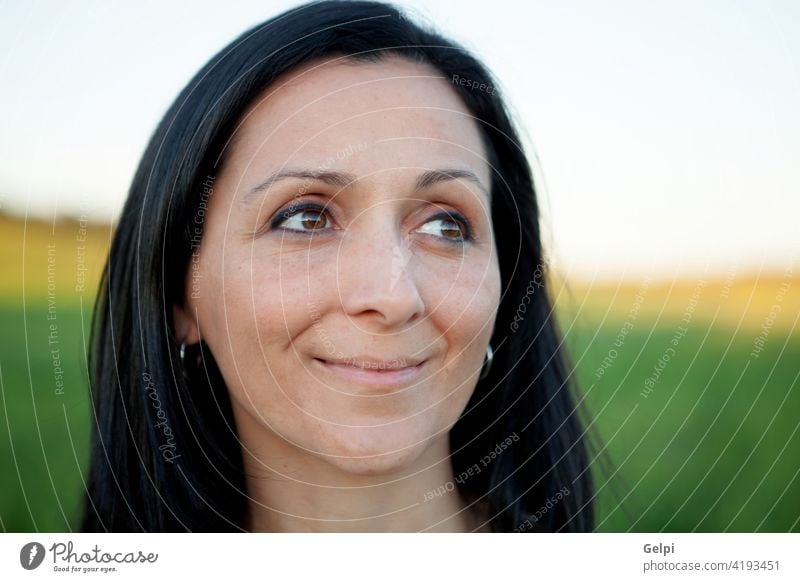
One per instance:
[(376, 272)]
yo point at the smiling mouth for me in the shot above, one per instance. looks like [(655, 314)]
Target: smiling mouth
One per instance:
[(383, 373), (374, 364)]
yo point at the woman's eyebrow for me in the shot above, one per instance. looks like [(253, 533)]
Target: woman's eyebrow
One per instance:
[(432, 177), (342, 179)]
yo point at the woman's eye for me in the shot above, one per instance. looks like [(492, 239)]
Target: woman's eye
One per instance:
[(315, 218), (447, 227), (303, 219)]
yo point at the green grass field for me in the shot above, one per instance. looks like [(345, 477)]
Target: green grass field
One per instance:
[(713, 447), (44, 428), (707, 441)]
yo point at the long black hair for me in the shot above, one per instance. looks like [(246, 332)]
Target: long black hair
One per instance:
[(165, 454)]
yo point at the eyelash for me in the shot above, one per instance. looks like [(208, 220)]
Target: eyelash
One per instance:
[(464, 224)]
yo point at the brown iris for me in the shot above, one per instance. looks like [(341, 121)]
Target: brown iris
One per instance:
[(451, 229), (313, 219)]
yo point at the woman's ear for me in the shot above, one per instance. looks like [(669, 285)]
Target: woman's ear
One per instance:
[(186, 329)]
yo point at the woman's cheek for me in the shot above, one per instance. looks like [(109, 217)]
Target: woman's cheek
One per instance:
[(286, 291), (465, 295)]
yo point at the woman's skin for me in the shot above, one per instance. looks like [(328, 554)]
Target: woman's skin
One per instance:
[(295, 303)]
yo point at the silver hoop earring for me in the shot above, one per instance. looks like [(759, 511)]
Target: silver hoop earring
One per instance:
[(487, 364), (183, 353)]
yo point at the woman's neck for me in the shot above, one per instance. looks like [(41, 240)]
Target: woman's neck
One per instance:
[(293, 491)]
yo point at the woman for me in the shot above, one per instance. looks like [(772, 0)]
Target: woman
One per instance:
[(324, 307)]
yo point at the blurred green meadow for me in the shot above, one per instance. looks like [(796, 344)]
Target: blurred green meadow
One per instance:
[(691, 386)]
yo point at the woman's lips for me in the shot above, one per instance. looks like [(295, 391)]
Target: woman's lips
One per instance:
[(388, 374)]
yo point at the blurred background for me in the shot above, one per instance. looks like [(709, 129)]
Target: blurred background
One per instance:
[(667, 139)]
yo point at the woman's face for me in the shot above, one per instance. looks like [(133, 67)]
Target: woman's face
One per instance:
[(347, 281)]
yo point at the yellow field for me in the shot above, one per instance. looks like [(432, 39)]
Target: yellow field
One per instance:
[(63, 259), (747, 300)]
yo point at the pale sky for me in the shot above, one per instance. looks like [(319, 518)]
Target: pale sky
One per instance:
[(668, 133)]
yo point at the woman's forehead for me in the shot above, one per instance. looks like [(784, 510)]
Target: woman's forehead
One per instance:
[(393, 112)]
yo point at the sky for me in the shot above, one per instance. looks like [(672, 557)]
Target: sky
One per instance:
[(666, 134)]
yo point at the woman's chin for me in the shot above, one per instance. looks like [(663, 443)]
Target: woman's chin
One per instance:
[(373, 453)]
